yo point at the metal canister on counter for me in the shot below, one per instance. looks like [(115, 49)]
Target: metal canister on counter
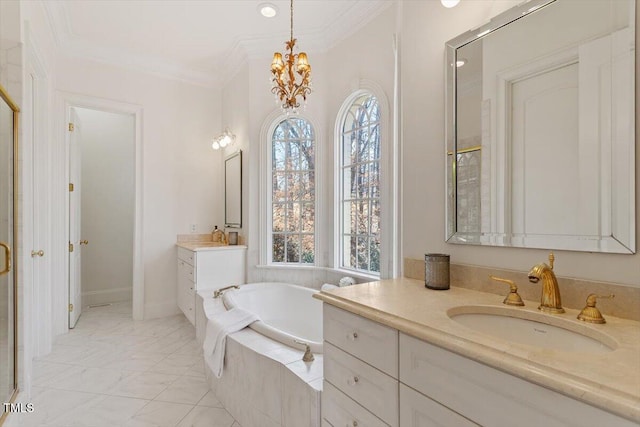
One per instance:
[(436, 271)]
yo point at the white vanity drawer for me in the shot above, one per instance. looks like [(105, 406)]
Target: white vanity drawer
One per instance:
[(186, 285), (187, 256), (187, 303), (457, 382), (368, 386), (417, 410), (338, 410), (372, 342), (186, 271)]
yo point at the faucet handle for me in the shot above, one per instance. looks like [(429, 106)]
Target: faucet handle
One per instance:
[(552, 258), (512, 298), (590, 313)]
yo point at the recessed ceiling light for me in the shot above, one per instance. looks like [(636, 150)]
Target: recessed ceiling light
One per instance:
[(460, 62), (268, 10), (449, 3)]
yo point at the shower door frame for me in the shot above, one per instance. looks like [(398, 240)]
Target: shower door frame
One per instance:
[(14, 261)]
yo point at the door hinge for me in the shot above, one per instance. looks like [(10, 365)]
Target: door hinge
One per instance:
[(71, 187), (70, 308), (71, 127), (70, 247)]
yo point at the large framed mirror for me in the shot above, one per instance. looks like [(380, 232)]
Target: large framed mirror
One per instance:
[(233, 190), (540, 141), (8, 242)]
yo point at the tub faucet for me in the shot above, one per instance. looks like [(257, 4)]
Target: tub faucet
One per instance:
[(308, 356), (550, 300), (219, 292)]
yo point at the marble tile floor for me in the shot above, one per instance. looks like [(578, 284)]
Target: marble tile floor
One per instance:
[(111, 371)]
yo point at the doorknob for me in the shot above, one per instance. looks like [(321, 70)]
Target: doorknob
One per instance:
[(84, 242), (38, 253), (7, 258)]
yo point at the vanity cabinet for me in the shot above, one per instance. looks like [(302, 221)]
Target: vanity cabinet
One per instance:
[(207, 268), (378, 376), (489, 396)]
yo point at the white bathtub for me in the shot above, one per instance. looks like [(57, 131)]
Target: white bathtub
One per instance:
[(287, 312)]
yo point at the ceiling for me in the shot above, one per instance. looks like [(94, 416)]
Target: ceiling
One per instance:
[(199, 41)]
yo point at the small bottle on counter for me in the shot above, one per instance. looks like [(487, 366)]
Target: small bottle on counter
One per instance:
[(218, 236)]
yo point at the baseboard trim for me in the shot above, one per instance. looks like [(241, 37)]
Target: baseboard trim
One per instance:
[(107, 296)]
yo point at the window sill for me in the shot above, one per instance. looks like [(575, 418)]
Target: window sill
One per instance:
[(355, 274), (362, 277), (288, 266)]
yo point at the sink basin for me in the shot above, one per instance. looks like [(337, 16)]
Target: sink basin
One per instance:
[(533, 329)]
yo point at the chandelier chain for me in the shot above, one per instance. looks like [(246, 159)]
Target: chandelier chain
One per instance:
[(291, 8)]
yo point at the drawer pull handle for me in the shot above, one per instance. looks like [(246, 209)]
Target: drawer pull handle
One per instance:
[(353, 336), (353, 381), (354, 424)]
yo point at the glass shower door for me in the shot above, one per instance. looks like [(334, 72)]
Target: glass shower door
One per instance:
[(8, 143)]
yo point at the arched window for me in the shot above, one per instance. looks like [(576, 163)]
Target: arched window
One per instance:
[(293, 196), (359, 188)]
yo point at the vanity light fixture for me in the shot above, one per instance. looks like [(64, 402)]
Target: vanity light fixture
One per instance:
[(225, 139), (449, 3), (268, 10), (291, 77)]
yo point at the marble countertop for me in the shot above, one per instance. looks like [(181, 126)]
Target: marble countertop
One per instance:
[(207, 246), (610, 381)]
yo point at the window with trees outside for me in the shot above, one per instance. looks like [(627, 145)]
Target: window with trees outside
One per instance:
[(293, 195), (360, 186)]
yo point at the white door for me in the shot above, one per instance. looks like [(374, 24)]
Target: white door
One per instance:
[(37, 196), (545, 145), (75, 285)]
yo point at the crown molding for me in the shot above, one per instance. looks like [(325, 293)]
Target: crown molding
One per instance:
[(359, 14), (70, 44), (355, 16)]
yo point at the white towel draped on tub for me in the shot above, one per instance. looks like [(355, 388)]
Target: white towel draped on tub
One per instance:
[(328, 287), (218, 327)]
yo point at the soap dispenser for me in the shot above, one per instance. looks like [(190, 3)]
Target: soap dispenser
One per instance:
[(218, 236)]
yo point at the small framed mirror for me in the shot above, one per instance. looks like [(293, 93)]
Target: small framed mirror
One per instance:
[(233, 190)]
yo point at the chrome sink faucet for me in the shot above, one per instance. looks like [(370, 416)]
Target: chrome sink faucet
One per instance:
[(550, 300)]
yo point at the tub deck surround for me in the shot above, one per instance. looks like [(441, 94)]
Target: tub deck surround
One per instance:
[(264, 382), (610, 381)]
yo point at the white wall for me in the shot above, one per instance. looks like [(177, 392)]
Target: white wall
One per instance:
[(107, 147), (179, 167), (426, 27)]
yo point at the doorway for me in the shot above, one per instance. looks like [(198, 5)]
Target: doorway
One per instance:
[(104, 205)]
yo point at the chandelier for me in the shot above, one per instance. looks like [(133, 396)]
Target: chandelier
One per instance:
[(291, 78)]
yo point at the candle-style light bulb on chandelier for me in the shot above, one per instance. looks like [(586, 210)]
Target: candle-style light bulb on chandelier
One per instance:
[(291, 77)]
